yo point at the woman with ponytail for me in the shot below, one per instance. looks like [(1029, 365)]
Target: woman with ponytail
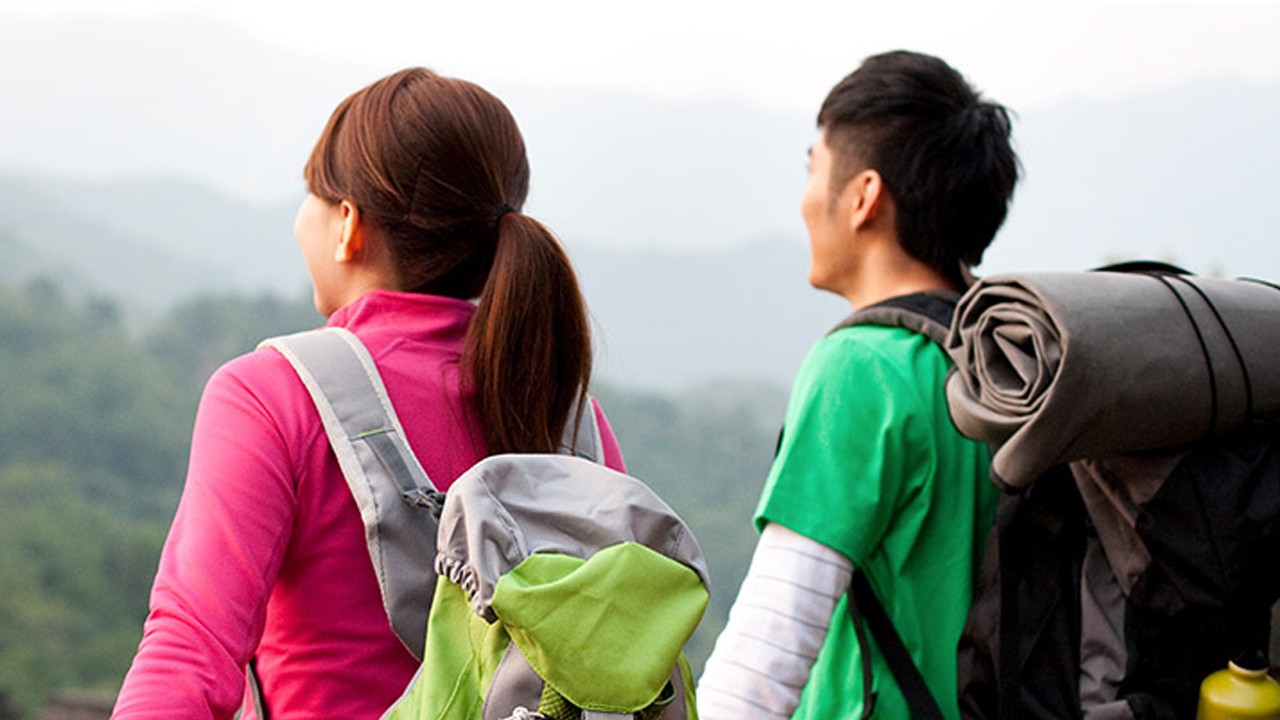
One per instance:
[(414, 237)]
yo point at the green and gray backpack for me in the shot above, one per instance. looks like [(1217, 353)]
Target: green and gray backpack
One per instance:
[(547, 586)]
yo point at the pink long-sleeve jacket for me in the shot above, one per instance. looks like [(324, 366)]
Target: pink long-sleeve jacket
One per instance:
[(266, 557)]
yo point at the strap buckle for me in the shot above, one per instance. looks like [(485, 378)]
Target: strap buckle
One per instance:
[(433, 500)]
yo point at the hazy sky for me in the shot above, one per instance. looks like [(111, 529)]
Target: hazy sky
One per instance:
[(776, 55)]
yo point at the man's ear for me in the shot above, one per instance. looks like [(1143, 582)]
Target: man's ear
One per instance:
[(864, 193), (351, 240)]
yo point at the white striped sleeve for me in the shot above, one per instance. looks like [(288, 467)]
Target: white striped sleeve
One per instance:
[(762, 658)]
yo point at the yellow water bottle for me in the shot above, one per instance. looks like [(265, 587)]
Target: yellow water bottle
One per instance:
[(1243, 690)]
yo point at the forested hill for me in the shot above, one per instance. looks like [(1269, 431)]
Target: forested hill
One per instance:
[(94, 424), (94, 428)]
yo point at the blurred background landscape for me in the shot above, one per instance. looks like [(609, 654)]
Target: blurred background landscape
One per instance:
[(149, 172)]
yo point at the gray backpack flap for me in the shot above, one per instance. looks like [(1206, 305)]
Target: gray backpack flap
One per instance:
[(509, 509)]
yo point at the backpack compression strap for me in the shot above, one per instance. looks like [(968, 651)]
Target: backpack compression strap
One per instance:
[(928, 313)]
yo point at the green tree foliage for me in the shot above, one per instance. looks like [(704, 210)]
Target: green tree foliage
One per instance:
[(74, 576), (79, 392), (94, 432), (89, 448), (201, 334)]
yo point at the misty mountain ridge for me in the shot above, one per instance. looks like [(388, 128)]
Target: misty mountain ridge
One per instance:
[(1184, 173), (152, 159), (185, 96), (663, 319)]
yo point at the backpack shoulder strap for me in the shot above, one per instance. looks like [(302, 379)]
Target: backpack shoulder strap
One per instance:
[(392, 491), (866, 611), (928, 313), (344, 383)]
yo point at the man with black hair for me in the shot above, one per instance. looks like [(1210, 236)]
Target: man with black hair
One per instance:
[(909, 179)]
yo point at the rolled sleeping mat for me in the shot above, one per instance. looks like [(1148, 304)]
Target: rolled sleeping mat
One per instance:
[(1055, 367)]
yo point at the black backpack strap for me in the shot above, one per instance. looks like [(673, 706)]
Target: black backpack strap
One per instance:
[(856, 597), (927, 313), (865, 606)]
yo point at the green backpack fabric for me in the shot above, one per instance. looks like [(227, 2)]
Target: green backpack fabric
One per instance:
[(544, 586)]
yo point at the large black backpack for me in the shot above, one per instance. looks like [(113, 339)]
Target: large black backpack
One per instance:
[(1053, 632), (1121, 570)]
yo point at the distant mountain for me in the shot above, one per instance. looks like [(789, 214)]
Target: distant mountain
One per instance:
[(664, 319), (625, 172), (667, 319), (183, 95), (53, 238), (175, 145), (186, 96), (1188, 175), (233, 244)]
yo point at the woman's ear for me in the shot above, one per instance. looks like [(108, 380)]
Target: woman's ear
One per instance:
[(352, 239)]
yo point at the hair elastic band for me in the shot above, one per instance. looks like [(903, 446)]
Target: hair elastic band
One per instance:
[(502, 210)]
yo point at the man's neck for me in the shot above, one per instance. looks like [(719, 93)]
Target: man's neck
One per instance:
[(887, 271)]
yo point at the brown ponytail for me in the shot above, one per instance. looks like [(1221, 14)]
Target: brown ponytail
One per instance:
[(439, 166), (529, 347)]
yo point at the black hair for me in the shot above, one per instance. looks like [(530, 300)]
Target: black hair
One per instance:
[(944, 154)]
